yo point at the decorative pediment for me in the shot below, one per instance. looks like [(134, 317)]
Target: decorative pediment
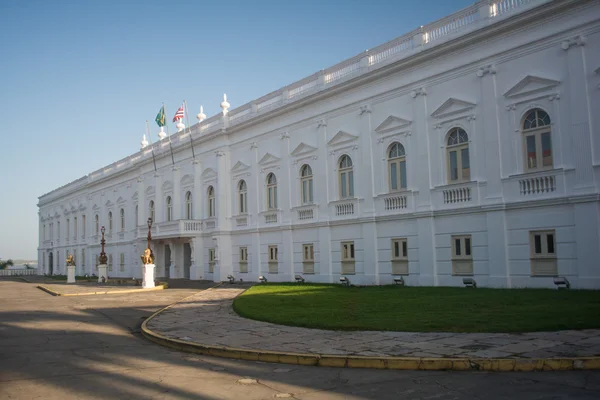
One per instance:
[(109, 203), (81, 207), (341, 137), (56, 214), (150, 190), (135, 196), (452, 106), (302, 149), (96, 207), (392, 123), (120, 200), (73, 208), (168, 185), (268, 159), (239, 167), (209, 173), (530, 85), (187, 180)]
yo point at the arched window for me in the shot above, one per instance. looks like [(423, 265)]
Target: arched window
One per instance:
[(458, 156), (243, 197), (110, 225), (211, 201), (271, 192), (346, 175), (188, 206), (306, 184), (169, 209), (396, 167), (151, 211), (122, 212), (97, 223), (537, 141)]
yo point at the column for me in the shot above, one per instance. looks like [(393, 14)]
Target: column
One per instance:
[(489, 157), (159, 201), (177, 206), (224, 265), (579, 115), (141, 202)]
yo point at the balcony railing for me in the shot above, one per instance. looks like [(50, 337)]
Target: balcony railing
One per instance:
[(457, 195), (394, 203), (346, 208), (241, 220), (270, 218), (534, 185), (306, 213)]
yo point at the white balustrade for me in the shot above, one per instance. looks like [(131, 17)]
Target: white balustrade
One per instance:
[(271, 218), (457, 195), (451, 24), (344, 209), (341, 72), (302, 88), (537, 185), (18, 272), (267, 103), (390, 49), (395, 203), (306, 213), (192, 226), (504, 6)]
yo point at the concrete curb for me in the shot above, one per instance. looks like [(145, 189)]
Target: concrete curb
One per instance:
[(400, 363), (162, 286)]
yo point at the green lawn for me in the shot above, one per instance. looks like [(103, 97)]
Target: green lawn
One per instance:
[(420, 309)]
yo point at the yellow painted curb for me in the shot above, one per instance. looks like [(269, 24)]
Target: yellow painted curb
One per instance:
[(162, 286), (399, 363)]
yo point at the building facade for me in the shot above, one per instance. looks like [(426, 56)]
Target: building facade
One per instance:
[(469, 147)]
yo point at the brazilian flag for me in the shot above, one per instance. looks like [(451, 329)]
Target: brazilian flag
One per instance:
[(160, 117)]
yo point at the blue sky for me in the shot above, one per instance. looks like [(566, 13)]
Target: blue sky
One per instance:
[(78, 79)]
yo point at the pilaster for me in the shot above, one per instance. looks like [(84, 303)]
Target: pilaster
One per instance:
[(198, 200), (159, 200), (177, 205)]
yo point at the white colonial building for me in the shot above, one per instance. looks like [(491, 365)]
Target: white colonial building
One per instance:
[(467, 147)]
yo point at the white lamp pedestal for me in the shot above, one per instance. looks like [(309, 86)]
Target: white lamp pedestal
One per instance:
[(148, 281), (71, 274), (102, 272)]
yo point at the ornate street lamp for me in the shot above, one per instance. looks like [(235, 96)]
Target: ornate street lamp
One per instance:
[(103, 259), (148, 256)]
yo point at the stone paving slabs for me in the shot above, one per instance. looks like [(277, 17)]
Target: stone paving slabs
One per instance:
[(208, 318)]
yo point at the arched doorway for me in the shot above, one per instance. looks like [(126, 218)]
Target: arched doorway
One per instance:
[(50, 266)]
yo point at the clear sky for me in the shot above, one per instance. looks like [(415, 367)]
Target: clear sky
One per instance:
[(78, 79)]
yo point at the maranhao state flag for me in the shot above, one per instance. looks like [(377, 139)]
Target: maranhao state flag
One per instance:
[(160, 117)]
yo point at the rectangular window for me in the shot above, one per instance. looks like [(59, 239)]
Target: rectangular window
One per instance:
[(308, 254), (83, 226), (348, 265), (351, 183), (453, 166), (68, 228), (543, 253), (75, 228), (211, 260), (462, 259), (110, 262), (58, 230), (400, 256), (531, 151), (343, 183), (403, 174), (273, 256), (82, 258), (394, 176), (243, 259), (122, 262), (347, 251), (399, 249), (546, 150), (465, 163)]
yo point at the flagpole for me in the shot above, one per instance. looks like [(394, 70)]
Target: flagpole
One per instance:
[(169, 134), (151, 144), (187, 117)]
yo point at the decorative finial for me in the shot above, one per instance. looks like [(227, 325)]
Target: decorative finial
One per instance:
[(180, 126), (162, 134), (224, 104), (144, 142), (201, 116)]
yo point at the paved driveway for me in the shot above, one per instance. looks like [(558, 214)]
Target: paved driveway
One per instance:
[(90, 347)]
